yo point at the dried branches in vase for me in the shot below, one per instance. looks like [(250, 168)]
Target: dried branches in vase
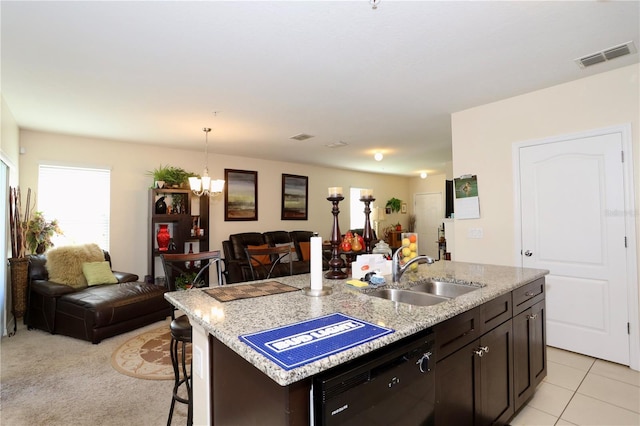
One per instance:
[(18, 223), (411, 226)]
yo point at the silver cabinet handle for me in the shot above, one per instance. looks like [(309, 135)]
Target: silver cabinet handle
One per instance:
[(480, 351), (423, 362), (528, 253), (532, 316)]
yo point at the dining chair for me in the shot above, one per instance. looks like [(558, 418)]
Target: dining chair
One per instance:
[(263, 261)]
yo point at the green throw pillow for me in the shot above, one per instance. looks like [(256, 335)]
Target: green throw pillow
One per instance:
[(98, 273)]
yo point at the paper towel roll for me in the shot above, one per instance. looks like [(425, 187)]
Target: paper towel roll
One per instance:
[(316, 263)]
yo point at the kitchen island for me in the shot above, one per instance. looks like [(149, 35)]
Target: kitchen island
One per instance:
[(217, 327)]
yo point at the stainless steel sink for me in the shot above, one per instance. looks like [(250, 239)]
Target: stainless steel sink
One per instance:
[(444, 289), (410, 297), (425, 294)]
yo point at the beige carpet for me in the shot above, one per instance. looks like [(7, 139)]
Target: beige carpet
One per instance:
[(56, 380), (146, 356)]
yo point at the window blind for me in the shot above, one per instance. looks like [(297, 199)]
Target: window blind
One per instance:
[(79, 198)]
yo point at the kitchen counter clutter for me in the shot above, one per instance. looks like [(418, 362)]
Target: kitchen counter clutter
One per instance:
[(227, 321)]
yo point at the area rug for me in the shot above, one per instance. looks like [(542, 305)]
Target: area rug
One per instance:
[(146, 356)]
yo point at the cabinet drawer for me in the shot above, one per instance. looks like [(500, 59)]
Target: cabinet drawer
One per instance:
[(456, 332), (495, 312), (527, 295)]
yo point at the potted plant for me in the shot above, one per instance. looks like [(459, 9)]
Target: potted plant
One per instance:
[(185, 281), (39, 233), (394, 204), (170, 176), (177, 203)]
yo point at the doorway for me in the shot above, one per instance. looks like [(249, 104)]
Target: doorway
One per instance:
[(572, 192), (429, 216)]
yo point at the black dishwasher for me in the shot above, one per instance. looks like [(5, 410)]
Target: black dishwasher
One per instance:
[(392, 386)]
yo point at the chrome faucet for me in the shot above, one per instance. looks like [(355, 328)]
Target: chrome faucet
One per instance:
[(397, 270)]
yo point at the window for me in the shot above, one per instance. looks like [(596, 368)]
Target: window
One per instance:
[(79, 198), (356, 209)]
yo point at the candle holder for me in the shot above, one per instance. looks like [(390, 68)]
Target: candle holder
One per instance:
[(335, 264), (367, 233)]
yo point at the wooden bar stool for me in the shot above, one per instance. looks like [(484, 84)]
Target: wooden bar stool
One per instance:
[(180, 336)]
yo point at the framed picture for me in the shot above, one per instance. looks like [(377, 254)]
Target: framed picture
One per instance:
[(403, 208), (240, 195), (295, 191)]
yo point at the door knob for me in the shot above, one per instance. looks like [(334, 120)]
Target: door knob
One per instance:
[(528, 253)]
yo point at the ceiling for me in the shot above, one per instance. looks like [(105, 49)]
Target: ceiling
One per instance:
[(154, 72)]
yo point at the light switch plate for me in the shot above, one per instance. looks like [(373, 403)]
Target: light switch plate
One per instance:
[(475, 233)]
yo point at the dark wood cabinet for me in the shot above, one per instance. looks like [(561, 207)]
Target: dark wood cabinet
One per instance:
[(474, 385), (187, 220), (489, 361), (496, 376), (530, 355)]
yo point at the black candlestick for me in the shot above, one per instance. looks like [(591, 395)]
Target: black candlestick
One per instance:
[(367, 233), (335, 264)]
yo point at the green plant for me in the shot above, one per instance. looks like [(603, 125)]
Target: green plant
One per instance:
[(177, 202), (186, 280), (172, 176), (394, 204), (39, 233)]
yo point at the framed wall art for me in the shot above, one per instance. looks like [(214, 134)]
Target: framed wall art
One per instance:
[(295, 191), (240, 195)]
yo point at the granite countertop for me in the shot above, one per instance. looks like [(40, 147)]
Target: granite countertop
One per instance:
[(226, 321)]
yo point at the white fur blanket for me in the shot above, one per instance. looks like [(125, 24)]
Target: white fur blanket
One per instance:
[(64, 264)]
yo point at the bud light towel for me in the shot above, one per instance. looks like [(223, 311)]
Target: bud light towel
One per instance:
[(294, 345)]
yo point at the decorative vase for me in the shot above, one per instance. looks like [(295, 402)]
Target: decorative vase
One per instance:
[(163, 237), (356, 245)]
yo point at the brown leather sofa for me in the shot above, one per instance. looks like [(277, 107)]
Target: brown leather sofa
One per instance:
[(235, 259), (92, 313)]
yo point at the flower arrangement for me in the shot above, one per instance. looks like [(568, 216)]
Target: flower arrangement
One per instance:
[(28, 231), (39, 233)]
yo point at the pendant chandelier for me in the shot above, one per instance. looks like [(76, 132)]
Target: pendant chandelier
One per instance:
[(205, 185)]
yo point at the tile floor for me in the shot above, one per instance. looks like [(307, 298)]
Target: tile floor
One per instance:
[(580, 390)]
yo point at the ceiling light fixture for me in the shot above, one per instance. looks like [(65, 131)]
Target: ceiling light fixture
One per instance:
[(378, 156), (206, 186), (423, 175)]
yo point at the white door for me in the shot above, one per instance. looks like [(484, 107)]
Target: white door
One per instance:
[(570, 192), (429, 216)]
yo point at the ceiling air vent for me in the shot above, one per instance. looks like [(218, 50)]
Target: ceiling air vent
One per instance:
[(338, 144), (607, 54), (301, 137)]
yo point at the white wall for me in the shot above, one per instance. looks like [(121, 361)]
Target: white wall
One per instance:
[(483, 138), (129, 163)]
